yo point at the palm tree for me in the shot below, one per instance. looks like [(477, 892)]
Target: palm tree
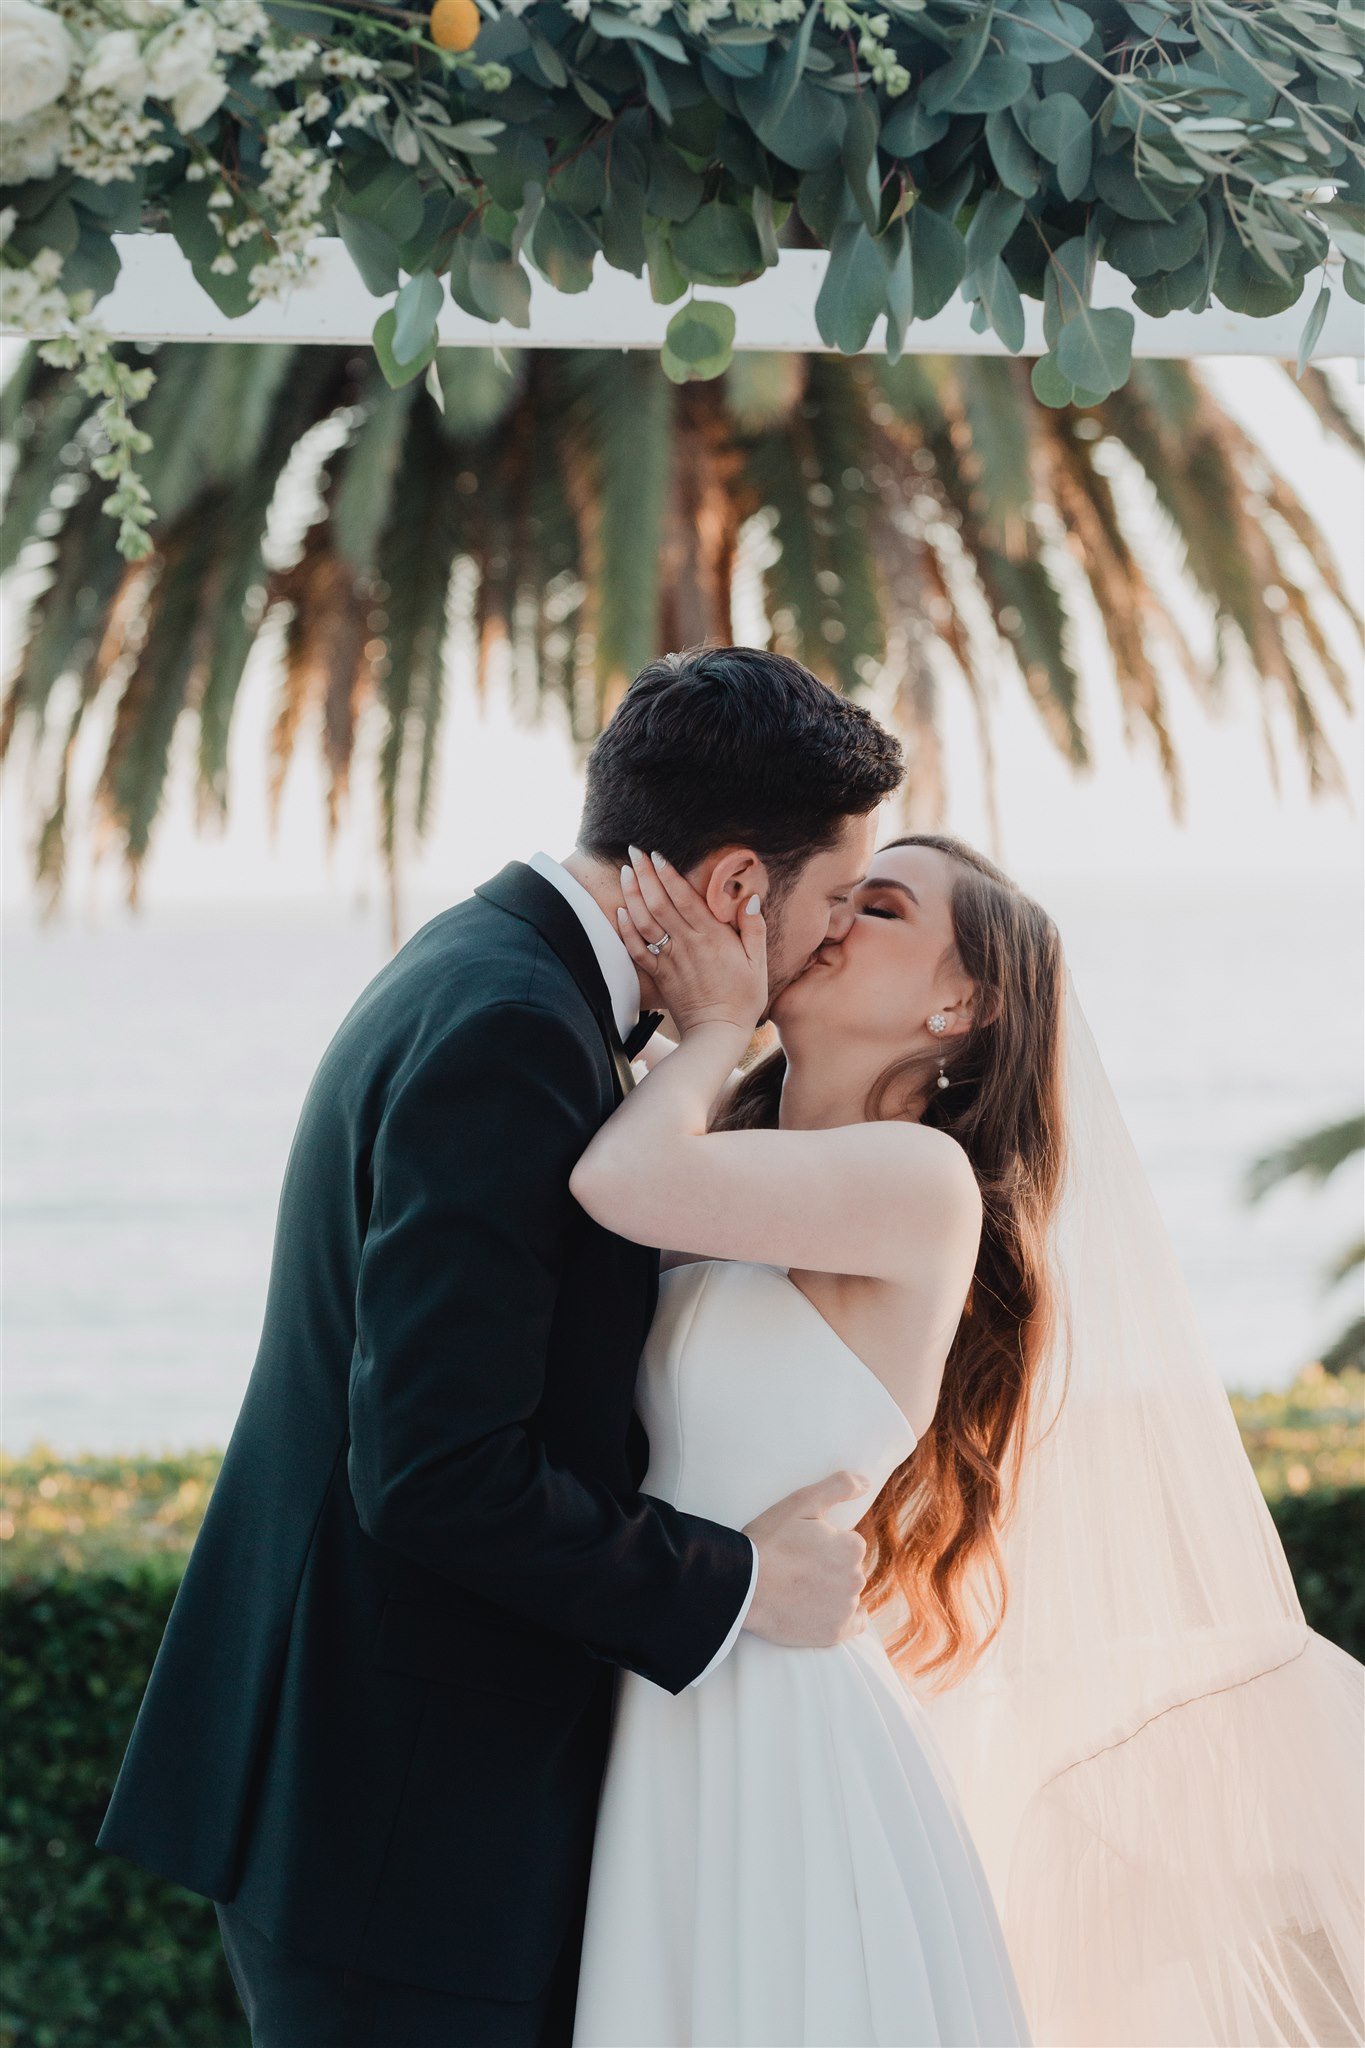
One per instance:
[(1317, 1155), (908, 529)]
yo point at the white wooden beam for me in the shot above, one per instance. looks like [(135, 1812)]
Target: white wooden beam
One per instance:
[(157, 299)]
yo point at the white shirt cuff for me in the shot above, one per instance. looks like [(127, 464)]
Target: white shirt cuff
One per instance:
[(738, 1623)]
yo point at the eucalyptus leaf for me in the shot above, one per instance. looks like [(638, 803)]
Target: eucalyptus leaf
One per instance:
[(416, 311), (609, 24), (1050, 387), (1095, 349), (1015, 163), (995, 83), (1118, 182), (1042, 31), (1345, 223), (938, 94), (808, 130), (1141, 248), (698, 341), (674, 191), (398, 372), (1001, 305), (191, 223), (667, 279), (939, 257), (93, 265), (499, 284), (1066, 286), (997, 215), (719, 244), (1059, 129), (860, 159), (1312, 328), (391, 197), (787, 72), (655, 90), (562, 248), (230, 294), (853, 290), (547, 57), (908, 130)]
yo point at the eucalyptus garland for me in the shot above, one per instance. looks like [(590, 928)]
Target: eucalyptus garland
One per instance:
[(1207, 149)]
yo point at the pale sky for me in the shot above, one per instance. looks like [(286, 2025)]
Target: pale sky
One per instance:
[(505, 790)]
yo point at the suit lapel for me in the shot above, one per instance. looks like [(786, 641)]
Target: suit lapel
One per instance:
[(522, 893)]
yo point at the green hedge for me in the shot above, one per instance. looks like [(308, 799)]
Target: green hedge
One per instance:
[(99, 1955)]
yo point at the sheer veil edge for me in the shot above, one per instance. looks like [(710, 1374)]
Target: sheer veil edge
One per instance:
[(1161, 1764)]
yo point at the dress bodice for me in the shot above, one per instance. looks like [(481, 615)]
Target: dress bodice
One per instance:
[(747, 1393)]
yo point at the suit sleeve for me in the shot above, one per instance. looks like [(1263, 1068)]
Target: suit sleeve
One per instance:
[(458, 1279)]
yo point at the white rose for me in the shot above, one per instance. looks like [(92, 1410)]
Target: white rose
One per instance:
[(33, 149), (35, 58), (116, 65), (203, 96), (178, 55)]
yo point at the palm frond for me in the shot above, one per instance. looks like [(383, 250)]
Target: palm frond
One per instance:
[(1000, 423), (235, 589), (156, 692), (415, 558), (1315, 1155), (1316, 386), (928, 528)]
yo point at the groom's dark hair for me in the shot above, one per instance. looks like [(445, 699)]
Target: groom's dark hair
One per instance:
[(732, 746)]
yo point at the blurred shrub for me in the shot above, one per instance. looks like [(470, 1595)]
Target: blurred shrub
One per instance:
[(1306, 1437), (97, 1953), (100, 1955)]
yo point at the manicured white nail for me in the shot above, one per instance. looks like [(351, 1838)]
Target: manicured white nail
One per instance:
[(627, 878), (659, 862), (634, 853), (753, 906)]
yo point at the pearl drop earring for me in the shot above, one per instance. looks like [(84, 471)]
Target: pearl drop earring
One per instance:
[(938, 1022)]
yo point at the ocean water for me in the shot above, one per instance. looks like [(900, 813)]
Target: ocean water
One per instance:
[(154, 1068)]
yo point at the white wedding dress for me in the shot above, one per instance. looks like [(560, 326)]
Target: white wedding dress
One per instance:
[(781, 1858)]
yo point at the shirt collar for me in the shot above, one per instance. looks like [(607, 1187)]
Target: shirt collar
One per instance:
[(609, 948)]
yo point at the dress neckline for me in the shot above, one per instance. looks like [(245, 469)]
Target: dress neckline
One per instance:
[(783, 1275)]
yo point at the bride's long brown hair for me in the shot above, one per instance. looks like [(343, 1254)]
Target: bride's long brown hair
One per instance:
[(931, 1532)]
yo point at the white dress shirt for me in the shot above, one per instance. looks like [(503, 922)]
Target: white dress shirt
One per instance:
[(623, 986)]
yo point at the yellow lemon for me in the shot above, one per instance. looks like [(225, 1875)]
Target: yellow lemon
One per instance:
[(454, 24)]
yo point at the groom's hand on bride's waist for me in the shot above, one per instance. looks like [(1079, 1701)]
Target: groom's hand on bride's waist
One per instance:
[(810, 1574)]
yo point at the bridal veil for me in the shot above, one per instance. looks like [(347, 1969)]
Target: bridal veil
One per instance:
[(1162, 1765)]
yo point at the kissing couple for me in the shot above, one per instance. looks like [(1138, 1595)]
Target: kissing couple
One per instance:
[(866, 1631)]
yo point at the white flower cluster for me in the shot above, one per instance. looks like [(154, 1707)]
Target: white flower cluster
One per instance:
[(704, 14), (93, 85), (844, 17), (105, 88), (76, 80)]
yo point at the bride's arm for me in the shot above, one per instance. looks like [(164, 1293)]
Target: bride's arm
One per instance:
[(870, 1199)]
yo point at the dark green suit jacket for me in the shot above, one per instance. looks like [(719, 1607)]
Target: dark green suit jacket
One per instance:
[(378, 1717)]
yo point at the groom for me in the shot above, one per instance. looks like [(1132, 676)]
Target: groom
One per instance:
[(376, 1726)]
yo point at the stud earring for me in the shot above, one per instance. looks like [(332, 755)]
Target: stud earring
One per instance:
[(938, 1022)]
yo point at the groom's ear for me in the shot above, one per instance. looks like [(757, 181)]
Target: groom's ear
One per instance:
[(728, 879)]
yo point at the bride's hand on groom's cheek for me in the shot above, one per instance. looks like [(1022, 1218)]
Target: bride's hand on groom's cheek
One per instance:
[(705, 970)]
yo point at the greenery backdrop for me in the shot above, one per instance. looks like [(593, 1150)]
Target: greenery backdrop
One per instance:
[(1204, 148)]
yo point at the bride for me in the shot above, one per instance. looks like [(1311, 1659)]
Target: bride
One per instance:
[(1086, 1777)]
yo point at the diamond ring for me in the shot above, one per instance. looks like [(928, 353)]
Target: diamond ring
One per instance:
[(656, 946)]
